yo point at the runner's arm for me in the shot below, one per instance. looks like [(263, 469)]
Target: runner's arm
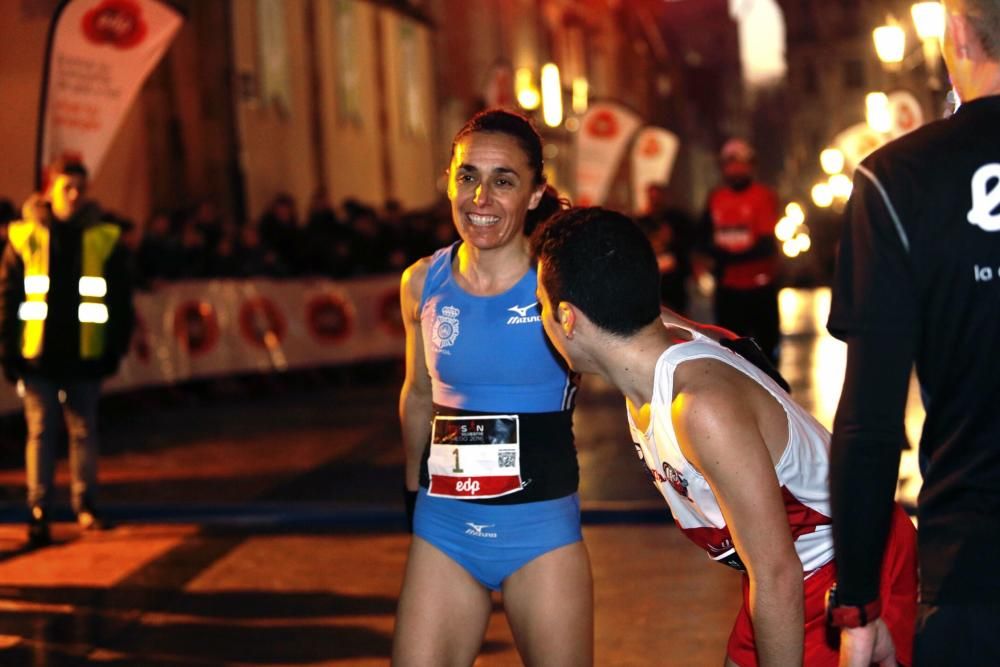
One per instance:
[(717, 429), (415, 400)]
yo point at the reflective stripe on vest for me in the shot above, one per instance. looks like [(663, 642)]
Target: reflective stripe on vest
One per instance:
[(31, 241)]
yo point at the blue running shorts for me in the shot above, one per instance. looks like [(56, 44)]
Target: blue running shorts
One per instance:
[(493, 541)]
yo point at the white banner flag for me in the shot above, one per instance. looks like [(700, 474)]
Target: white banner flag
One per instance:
[(604, 133), (653, 154), (100, 53), (856, 142), (907, 114)]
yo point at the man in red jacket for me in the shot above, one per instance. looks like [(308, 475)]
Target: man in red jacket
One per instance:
[(738, 236)]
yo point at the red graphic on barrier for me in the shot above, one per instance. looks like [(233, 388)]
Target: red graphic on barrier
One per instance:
[(115, 22), (602, 124), (906, 118), (650, 147), (330, 318), (196, 326), (140, 340), (390, 318), (261, 323)]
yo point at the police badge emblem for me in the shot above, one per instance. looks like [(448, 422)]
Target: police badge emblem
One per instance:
[(445, 328)]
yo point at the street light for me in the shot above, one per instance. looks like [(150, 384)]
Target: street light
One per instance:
[(552, 108), (878, 113), (822, 195), (890, 43), (832, 161), (928, 19), (580, 92), (527, 95), (795, 213), (840, 186)]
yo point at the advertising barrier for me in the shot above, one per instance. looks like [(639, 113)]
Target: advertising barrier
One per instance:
[(212, 328)]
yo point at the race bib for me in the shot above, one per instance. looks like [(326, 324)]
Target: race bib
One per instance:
[(475, 456)]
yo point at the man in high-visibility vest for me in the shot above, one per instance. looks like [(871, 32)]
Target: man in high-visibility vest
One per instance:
[(66, 319)]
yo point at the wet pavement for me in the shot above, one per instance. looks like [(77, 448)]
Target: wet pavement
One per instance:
[(259, 522)]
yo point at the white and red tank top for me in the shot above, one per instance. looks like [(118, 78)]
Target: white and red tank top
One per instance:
[(802, 470)]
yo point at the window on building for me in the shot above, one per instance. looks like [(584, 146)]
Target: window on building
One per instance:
[(854, 74), (850, 21), (810, 79), (807, 25)]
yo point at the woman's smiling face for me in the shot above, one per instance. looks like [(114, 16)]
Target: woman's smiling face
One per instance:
[(492, 186)]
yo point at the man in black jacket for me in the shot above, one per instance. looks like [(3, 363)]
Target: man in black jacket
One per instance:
[(917, 283), (66, 319)]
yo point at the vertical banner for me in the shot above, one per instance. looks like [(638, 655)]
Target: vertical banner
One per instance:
[(605, 130), (856, 142), (272, 57), (348, 69), (907, 113), (99, 54), (654, 152)]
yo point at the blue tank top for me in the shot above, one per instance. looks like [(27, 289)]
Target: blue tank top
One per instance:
[(489, 353)]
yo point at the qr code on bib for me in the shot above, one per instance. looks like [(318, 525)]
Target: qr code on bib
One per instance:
[(506, 458)]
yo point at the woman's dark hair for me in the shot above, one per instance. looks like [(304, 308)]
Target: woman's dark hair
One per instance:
[(550, 204), (522, 130)]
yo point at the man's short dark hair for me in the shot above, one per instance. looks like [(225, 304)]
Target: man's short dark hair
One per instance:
[(602, 263), (68, 166)]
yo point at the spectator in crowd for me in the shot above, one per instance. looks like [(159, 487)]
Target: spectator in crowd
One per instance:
[(225, 262), (738, 237), (193, 254), (209, 223), (159, 251), (279, 230), (257, 259), (670, 231), (327, 242), (66, 321)]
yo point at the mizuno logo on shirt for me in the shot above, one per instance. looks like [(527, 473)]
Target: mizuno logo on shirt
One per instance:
[(522, 316)]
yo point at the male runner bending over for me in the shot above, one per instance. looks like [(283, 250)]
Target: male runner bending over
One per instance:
[(742, 466)]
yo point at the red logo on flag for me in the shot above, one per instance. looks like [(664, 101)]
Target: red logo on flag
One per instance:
[(602, 125), (115, 22), (650, 147)]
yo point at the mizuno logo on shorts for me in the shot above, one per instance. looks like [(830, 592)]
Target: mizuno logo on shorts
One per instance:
[(479, 529)]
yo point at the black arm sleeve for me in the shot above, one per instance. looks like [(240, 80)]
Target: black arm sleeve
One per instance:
[(119, 300), (868, 436), (11, 296), (875, 311)]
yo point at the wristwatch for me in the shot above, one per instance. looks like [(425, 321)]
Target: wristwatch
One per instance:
[(850, 616)]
